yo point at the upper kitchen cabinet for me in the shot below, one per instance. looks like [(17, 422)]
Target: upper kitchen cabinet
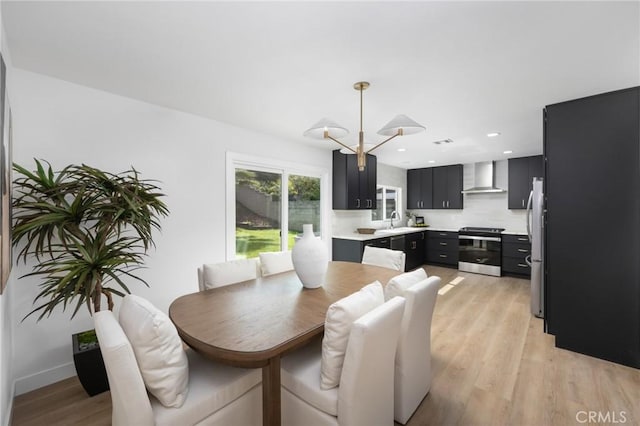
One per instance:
[(420, 188), (521, 173), (447, 187), (353, 189)]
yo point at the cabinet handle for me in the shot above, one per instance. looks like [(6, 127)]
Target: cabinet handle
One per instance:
[(358, 202), (443, 244), (443, 255), (443, 204), (523, 265), (523, 250), (413, 245), (447, 204), (443, 234), (523, 239), (522, 202)]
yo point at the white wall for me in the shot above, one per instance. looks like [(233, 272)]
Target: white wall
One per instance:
[(65, 123), (6, 341)]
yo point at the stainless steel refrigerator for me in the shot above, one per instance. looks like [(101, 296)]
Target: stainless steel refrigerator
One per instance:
[(535, 224)]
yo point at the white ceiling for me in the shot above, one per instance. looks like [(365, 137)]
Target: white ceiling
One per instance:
[(462, 69)]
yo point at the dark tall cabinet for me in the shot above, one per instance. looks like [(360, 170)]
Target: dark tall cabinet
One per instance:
[(592, 190), (353, 189), (420, 188), (521, 173), (447, 187)]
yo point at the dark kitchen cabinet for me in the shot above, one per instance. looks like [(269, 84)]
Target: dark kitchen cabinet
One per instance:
[(353, 189), (442, 248), (415, 246), (351, 250), (592, 177), (521, 173), (420, 188), (447, 187), (515, 249)]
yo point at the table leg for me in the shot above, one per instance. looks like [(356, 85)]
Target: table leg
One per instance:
[(271, 393)]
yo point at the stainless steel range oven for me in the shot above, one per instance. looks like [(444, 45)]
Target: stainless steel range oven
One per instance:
[(480, 250)]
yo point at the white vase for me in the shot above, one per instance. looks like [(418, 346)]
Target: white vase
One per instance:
[(310, 258)]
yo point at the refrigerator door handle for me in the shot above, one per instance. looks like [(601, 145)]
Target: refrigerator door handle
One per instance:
[(528, 260), (529, 209)]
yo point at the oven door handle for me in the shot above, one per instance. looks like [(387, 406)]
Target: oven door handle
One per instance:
[(471, 237)]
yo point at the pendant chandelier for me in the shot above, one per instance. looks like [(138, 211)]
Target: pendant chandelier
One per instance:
[(328, 129)]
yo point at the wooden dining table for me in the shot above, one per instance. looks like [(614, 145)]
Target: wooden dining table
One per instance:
[(254, 323)]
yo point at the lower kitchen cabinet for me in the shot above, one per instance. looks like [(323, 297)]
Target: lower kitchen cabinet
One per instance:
[(442, 248), (515, 248), (413, 245), (414, 249), (351, 250)]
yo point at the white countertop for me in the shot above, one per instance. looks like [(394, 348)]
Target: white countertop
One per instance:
[(381, 233), (511, 232)]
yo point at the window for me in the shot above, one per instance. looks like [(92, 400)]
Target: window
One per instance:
[(388, 199), (268, 202)]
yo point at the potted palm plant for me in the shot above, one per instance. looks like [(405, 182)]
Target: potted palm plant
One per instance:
[(88, 231)]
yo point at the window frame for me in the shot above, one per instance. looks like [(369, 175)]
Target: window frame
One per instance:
[(285, 169), (400, 210)]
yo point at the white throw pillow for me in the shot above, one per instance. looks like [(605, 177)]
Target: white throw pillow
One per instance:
[(337, 327), (274, 262), (158, 348), (225, 273), (398, 284)]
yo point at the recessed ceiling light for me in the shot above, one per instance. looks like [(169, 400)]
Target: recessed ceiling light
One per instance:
[(431, 161), (402, 149), (493, 134), (508, 152)]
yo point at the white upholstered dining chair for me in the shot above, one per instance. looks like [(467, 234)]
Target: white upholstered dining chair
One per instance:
[(274, 262), (412, 379), (387, 258), (215, 394), (364, 395), (214, 275)]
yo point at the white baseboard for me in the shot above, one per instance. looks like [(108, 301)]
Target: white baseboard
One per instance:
[(43, 378)]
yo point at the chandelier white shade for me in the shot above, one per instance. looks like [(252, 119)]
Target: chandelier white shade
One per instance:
[(401, 124), (317, 130), (329, 129)]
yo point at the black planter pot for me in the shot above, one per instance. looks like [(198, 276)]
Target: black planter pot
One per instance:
[(89, 363)]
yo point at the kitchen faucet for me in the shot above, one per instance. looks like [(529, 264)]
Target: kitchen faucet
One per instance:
[(394, 215)]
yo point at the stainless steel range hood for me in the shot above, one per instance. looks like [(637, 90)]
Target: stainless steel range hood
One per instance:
[(484, 178)]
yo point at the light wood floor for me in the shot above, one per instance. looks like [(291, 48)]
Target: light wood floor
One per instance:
[(492, 365)]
